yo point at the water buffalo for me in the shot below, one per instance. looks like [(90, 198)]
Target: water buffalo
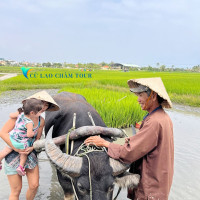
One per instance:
[(92, 176)]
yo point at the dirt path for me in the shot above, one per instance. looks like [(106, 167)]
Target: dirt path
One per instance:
[(7, 75)]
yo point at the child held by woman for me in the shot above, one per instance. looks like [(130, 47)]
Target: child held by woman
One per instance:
[(25, 131)]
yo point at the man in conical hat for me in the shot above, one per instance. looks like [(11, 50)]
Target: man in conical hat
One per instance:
[(151, 84), (152, 148)]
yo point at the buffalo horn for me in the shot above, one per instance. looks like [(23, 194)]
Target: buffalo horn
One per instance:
[(96, 130), (67, 164), (40, 144), (118, 167), (81, 132)]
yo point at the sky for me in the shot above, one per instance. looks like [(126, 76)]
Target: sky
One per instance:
[(141, 32)]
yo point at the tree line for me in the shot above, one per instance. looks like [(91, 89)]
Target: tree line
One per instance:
[(112, 65)]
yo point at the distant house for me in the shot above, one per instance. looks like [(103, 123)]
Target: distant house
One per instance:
[(2, 62), (25, 63), (116, 66), (12, 62), (106, 67), (124, 67), (130, 65)]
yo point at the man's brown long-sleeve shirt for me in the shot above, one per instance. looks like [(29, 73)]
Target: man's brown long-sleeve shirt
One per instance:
[(152, 150)]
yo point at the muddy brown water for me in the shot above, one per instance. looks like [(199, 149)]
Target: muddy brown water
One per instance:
[(186, 182)]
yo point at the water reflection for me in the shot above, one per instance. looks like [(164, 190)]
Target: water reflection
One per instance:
[(49, 186)]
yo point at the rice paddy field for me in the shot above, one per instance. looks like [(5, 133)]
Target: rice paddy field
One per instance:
[(106, 91)]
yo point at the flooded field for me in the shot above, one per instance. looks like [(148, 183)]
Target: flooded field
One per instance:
[(186, 182)]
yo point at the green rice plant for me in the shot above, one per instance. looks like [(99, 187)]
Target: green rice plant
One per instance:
[(8, 69), (186, 99), (117, 109)]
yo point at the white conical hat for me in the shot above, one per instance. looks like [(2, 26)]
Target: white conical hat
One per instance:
[(44, 96), (154, 84)]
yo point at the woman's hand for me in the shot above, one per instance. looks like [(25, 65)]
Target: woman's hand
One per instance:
[(26, 151), (96, 140)]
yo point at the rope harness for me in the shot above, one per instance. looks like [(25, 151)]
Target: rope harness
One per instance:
[(83, 150)]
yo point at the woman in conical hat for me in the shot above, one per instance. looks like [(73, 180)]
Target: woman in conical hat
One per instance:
[(48, 103), (32, 172), (152, 148), (45, 97)]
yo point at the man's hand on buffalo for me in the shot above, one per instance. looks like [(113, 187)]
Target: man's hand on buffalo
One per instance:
[(96, 140)]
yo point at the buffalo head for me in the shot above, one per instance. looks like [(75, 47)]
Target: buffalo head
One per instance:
[(94, 175)]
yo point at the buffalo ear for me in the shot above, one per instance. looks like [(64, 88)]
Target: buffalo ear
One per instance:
[(127, 180)]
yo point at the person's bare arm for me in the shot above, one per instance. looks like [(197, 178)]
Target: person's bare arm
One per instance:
[(30, 132), (42, 123), (4, 133), (39, 134), (14, 115)]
